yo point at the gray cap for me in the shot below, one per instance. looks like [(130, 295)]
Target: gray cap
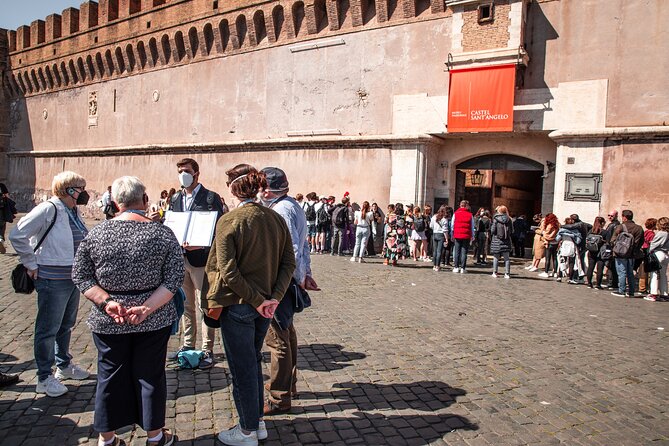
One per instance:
[(276, 179)]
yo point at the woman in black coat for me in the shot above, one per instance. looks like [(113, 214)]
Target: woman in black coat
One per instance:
[(500, 245)]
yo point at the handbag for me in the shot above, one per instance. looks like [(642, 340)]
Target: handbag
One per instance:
[(651, 262), (21, 281)]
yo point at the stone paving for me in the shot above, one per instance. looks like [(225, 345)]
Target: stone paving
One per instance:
[(402, 356)]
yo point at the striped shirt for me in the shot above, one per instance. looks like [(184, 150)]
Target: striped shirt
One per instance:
[(79, 232)]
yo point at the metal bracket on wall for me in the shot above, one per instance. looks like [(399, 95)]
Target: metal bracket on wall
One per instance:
[(316, 45)]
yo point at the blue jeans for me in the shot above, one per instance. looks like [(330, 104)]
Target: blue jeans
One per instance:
[(460, 254), (361, 237), (244, 330), (438, 246), (625, 270), (57, 307)]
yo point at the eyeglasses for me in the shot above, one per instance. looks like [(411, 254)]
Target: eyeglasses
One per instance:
[(611, 215)]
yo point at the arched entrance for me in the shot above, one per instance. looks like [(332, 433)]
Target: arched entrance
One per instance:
[(492, 180)]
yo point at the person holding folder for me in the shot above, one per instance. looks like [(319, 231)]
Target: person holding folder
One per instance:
[(193, 196)]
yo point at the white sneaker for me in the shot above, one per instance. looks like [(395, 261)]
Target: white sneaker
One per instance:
[(51, 386), (262, 430), (352, 259), (456, 270), (72, 371), (494, 275), (235, 437), (528, 267), (462, 271), (533, 269), (545, 274), (506, 276)]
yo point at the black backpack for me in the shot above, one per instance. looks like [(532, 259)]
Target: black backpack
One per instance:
[(593, 242), (323, 216), (340, 215), (419, 224), (502, 231), (310, 212), (624, 246)]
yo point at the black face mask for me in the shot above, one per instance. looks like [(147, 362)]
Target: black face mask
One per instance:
[(83, 198)]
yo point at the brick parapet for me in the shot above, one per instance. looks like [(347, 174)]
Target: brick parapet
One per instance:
[(98, 42), (487, 35)]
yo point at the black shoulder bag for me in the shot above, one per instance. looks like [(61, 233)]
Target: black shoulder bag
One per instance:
[(21, 281)]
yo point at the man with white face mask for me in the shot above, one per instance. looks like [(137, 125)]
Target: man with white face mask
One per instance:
[(195, 197)]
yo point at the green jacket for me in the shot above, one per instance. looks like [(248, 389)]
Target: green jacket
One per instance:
[(251, 259)]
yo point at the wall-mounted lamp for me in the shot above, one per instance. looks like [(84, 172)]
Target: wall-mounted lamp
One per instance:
[(477, 178)]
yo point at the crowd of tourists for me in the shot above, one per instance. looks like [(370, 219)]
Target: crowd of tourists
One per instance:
[(255, 276)]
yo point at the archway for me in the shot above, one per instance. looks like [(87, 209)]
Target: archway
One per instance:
[(509, 180)]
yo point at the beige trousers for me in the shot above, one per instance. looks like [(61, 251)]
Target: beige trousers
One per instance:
[(192, 315)]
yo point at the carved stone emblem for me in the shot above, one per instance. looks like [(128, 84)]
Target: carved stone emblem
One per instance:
[(93, 109)]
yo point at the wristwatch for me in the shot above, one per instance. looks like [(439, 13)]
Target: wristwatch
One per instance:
[(103, 305)]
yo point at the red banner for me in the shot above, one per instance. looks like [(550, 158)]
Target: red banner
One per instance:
[(481, 99)]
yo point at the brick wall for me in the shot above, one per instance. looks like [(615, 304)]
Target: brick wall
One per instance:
[(488, 35)]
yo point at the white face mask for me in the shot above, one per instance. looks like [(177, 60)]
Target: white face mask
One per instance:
[(185, 179)]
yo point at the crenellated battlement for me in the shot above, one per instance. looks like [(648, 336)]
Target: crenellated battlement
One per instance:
[(115, 38)]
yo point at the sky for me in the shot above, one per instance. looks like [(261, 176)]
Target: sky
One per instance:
[(14, 13)]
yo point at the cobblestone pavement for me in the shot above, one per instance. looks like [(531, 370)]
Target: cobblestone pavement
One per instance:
[(404, 355)]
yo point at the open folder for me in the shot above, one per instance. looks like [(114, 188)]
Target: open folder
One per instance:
[(194, 227)]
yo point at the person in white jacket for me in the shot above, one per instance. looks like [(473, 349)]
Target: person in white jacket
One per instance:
[(50, 266)]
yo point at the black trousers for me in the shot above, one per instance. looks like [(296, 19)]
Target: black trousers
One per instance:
[(595, 261), (132, 388)]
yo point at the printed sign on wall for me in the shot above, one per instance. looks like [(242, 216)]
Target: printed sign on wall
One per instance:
[(481, 99)]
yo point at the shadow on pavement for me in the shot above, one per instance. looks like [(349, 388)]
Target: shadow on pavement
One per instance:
[(325, 357)]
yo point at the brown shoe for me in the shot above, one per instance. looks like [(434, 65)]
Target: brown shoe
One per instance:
[(293, 391), (8, 380), (274, 409)]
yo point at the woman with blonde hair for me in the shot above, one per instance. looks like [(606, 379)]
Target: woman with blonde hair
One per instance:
[(362, 220), (500, 245), (46, 240), (660, 248)]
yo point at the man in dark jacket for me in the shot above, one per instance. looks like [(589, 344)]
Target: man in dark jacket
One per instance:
[(613, 222), (195, 197), (625, 264), (520, 228), (7, 213)]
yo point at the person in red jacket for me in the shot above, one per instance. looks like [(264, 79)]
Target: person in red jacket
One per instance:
[(462, 231)]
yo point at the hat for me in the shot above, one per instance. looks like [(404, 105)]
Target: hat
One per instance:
[(323, 197), (276, 179)]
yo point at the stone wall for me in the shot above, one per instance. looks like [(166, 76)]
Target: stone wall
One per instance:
[(486, 35)]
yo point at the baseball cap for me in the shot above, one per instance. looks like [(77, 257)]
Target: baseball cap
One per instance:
[(276, 179)]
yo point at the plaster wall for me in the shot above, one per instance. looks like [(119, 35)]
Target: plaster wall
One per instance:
[(263, 94), (624, 41), (587, 159), (636, 178)]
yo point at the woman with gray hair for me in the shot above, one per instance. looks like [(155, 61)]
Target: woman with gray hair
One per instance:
[(130, 267), (46, 240)]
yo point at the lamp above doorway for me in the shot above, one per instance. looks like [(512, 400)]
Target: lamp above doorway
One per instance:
[(477, 178)]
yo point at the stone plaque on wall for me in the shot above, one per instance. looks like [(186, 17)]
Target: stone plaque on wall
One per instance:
[(93, 109), (583, 187)]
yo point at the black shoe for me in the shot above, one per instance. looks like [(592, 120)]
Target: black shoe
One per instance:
[(167, 439), (207, 360), (616, 293), (8, 380)]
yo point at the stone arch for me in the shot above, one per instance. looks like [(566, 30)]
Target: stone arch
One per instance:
[(130, 54), (224, 31), (64, 74), (120, 63), (90, 66), (99, 65), (321, 15), (49, 77), (259, 26), (153, 52), (81, 70), (391, 8), (42, 80), (56, 75), (241, 28), (278, 19), (34, 81), (73, 72), (193, 42), (421, 6), (180, 46), (111, 68), (167, 49), (368, 10), (344, 13), (141, 54), (208, 32), (27, 86), (298, 18)]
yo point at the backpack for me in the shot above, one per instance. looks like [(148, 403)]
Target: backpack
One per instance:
[(502, 231), (310, 212), (567, 248), (593, 242), (323, 216), (624, 245), (419, 224), (340, 216), (605, 252)]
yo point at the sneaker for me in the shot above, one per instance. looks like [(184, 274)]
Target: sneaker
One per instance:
[(494, 275), (167, 439), (8, 380), (532, 269), (559, 279), (462, 271), (72, 371), (352, 259), (616, 293), (262, 430), (207, 360), (507, 276), (573, 282), (435, 268), (456, 270), (235, 437), (528, 267), (598, 287), (361, 260), (172, 356), (544, 274), (650, 298), (51, 386)]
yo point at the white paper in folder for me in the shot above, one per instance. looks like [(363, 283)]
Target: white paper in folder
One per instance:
[(195, 228)]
